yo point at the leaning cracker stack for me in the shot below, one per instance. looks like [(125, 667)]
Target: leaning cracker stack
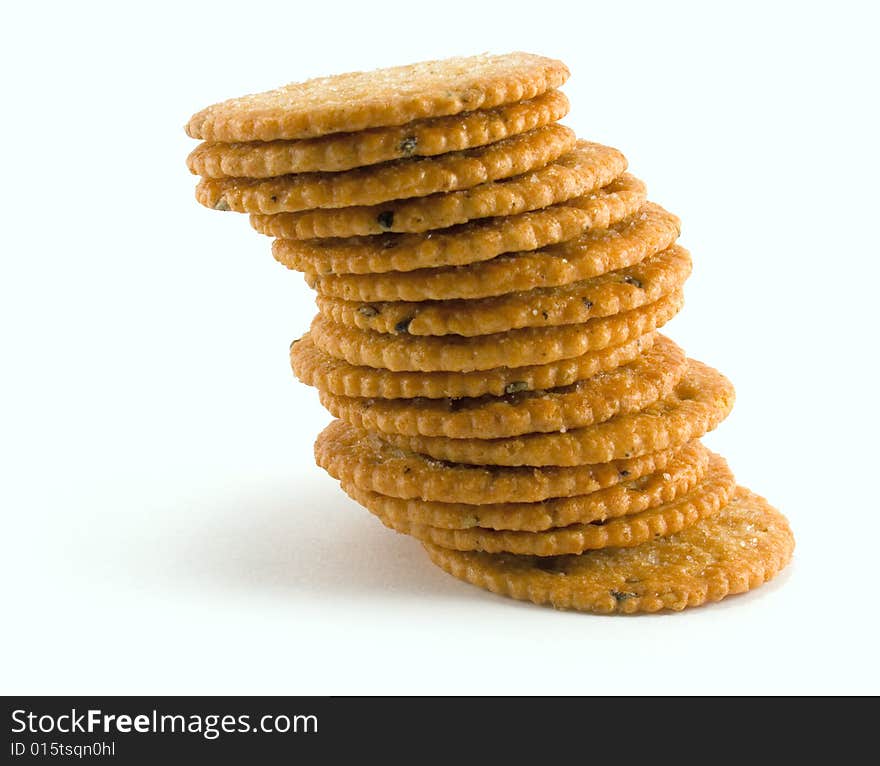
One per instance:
[(490, 293)]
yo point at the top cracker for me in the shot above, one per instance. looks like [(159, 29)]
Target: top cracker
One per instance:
[(393, 96)]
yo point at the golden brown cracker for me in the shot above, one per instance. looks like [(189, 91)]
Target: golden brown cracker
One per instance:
[(516, 348), (683, 473), (738, 549), (706, 499), (344, 151), (651, 377), (700, 401), (612, 293), (369, 462), (471, 242), (649, 231), (586, 169), (391, 96), (315, 367), (400, 179)]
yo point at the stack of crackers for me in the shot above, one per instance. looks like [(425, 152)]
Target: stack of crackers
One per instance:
[(490, 292)]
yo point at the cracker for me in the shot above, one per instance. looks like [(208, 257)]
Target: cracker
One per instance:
[(738, 549), (344, 151), (684, 472), (516, 348), (627, 389), (317, 368), (586, 169), (400, 179), (471, 242), (391, 96), (700, 401), (622, 532), (369, 462), (594, 253), (612, 293)]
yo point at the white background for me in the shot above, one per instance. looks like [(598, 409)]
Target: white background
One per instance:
[(165, 528)]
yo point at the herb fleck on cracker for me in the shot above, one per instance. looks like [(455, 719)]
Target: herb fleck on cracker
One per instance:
[(516, 386), (408, 146)]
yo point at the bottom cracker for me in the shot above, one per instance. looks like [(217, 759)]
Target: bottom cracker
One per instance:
[(741, 547)]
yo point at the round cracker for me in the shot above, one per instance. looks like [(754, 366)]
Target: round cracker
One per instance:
[(586, 169), (391, 96), (315, 367), (650, 377), (515, 348), (471, 242), (706, 499), (367, 461), (682, 474), (700, 401), (401, 179), (649, 231), (648, 281), (741, 547), (344, 151)]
